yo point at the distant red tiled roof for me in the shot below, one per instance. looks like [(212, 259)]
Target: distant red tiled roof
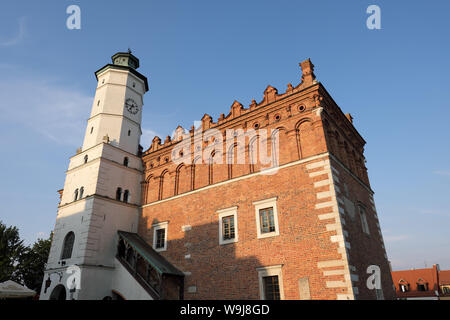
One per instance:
[(444, 277), (413, 277)]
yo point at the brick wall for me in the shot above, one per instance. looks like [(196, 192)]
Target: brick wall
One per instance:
[(320, 160)]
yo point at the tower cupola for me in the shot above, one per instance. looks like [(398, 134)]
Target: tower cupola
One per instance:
[(125, 59)]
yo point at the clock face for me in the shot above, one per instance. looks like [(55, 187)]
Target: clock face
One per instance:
[(131, 106)]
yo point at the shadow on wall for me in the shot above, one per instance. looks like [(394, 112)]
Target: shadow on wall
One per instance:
[(212, 270)]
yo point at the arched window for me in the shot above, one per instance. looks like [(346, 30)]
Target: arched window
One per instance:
[(403, 286), (125, 195), (85, 158), (121, 249), (68, 246), (118, 193), (75, 195), (422, 285), (81, 192), (130, 256), (125, 161), (363, 217)]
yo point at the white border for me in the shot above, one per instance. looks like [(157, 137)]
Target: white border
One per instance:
[(156, 227), (262, 204), (225, 213), (267, 272)]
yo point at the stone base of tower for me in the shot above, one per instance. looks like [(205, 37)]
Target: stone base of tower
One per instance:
[(97, 283), (138, 273)]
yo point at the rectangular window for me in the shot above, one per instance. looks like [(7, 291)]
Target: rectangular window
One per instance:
[(267, 221), (365, 225), (266, 213), (228, 225), (421, 287), (271, 288), (160, 236), (228, 228), (270, 282)]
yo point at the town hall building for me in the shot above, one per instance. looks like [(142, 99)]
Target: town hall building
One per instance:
[(272, 201)]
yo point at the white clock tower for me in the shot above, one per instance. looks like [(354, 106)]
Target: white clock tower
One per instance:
[(101, 192)]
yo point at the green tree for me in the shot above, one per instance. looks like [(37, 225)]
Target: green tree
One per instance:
[(31, 264), (11, 248)]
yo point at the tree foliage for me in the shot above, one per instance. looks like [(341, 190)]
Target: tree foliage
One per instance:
[(11, 247), (32, 262), (20, 263)]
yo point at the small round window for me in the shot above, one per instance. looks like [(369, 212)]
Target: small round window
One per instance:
[(256, 125), (301, 108)]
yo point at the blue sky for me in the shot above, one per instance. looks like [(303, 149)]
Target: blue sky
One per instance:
[(200, 56)]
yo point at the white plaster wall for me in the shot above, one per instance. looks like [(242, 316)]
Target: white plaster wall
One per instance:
[(106, 151), (85, 176), (92, 153), (73, 217), (95, 283), (101, 277), (117, 155), (95, 222), (126, 285), (104, 125), (113, 176), (110, 117), (99, 176), (101, 240)]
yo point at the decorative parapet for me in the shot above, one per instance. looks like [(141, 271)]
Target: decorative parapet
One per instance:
[(237, 109)]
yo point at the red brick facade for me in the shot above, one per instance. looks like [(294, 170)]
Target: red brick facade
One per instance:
[(318, 187)]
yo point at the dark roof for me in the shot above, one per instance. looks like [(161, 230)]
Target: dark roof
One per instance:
[(133, 71), (148, 253)]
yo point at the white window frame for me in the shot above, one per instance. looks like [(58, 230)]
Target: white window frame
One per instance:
[(269, 272), (156, 227), (263, 204), (225, 213)]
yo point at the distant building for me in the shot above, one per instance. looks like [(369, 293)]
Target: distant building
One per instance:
[(444, 284), (422, 284)]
